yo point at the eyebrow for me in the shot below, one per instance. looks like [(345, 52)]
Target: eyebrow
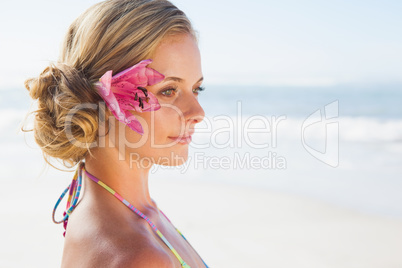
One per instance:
[(178, 79)]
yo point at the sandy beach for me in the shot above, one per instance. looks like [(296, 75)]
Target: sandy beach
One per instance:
[(230, 226)]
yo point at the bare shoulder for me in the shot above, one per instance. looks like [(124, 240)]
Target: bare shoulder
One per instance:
[(147, 257), (115, 250), (90, 244), (140, 254)]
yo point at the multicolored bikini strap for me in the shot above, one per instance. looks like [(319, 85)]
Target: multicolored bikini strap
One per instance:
[(75, 189)]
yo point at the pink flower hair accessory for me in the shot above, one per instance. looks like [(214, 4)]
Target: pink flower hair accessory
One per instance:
[(125, 91)]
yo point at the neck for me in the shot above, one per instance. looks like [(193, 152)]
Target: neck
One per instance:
[(130, 181)]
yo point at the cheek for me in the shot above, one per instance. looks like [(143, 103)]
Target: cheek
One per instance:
[(157, 125), (165, 123)]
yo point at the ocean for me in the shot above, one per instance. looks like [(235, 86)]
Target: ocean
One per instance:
[(339, 144)]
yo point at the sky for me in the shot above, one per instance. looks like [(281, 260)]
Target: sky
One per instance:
[(259, 42)]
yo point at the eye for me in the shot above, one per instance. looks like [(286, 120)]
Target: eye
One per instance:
[(168, 92), (198, 89)]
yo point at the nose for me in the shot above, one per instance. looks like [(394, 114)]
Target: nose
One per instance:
[(193, 111)]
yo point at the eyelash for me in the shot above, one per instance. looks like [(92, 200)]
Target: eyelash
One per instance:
[(200, 88)]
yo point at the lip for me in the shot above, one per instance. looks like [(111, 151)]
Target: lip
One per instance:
[(185, 138), (182, 140)]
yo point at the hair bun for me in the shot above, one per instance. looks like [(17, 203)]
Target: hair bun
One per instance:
[(60, 129), (55, 76)]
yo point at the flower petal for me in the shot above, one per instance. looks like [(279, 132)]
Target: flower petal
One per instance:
[(127, 103), (154, 76), (134, 124), (106, 80), (139, 75), (122, 85), (152, 104), (111, 101)]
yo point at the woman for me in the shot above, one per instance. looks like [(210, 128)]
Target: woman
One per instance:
[(122, 97)]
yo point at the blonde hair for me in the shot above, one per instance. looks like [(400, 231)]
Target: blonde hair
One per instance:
[(111, 35)]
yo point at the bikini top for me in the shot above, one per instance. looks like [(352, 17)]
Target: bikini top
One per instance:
[(74, 191)]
